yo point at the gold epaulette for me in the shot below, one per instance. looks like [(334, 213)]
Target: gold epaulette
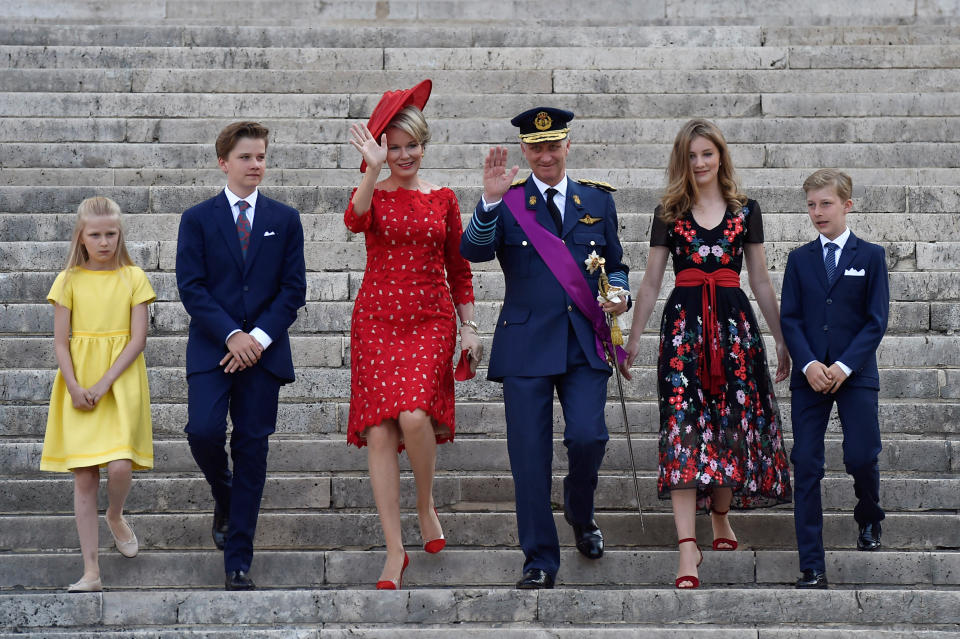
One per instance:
[(609, 188), (519, 182)]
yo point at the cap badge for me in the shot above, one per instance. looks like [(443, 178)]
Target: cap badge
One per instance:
[(543, 121)]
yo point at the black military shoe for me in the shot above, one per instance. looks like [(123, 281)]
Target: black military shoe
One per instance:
[(589, 538), (221, 526), (535, 579), (239, 580), (869, 538), (812, 579)]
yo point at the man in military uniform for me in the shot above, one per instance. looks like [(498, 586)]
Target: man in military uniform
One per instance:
[(542, 229)]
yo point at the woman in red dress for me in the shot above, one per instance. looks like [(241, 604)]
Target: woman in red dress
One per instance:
[(721, 443), (404, 325)]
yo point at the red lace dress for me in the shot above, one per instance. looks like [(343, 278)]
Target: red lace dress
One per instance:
[(404, 329)]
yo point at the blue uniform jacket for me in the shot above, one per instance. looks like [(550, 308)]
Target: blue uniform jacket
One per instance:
[(222, 292), (843, 321), (530, 339)]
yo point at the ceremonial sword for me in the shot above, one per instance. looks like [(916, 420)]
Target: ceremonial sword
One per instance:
[(594, 261)]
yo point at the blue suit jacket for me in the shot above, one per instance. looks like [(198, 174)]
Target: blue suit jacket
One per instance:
[(222, 292), (530, 339), (844, 321)]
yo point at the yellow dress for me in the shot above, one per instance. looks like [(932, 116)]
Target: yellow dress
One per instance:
[(119, 427)]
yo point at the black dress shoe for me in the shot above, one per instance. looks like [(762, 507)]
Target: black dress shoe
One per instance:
[(239, 580), (869, 538), (589, 538), (812, 579), (221, 526), (535, 579)]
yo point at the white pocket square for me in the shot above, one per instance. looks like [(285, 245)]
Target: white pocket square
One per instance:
[(269, 233), (855, 273)]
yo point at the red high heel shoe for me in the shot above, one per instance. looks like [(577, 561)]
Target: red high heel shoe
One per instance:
[(435, 545), (731, 543), (390, 584), (693, 580)]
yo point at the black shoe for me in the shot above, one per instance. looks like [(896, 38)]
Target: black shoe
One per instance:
[(812, 579), (535, 579), (221, 526), (589, 538), (869, 538), (239, 580)]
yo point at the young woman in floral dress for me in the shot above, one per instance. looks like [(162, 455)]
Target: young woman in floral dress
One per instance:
[(721, 444)]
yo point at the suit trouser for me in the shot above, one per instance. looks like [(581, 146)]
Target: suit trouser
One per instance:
[(251, 396), (857, 408), (528, 403)]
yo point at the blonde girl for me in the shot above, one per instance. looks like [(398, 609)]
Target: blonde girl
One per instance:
[(100, 403)]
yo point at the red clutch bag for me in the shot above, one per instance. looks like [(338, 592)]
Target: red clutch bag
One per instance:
[(466, 367)]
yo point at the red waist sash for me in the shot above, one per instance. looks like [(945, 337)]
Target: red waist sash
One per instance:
[(710, 368)]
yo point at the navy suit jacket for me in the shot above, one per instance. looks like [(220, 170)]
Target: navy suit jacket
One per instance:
[(223, 292), (842, 321), (530, 339)]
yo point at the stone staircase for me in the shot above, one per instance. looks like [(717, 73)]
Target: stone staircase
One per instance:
[(125, 99)]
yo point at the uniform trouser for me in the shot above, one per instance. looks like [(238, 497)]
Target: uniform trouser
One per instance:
[(857, 408), (528, 402), (251, 396)]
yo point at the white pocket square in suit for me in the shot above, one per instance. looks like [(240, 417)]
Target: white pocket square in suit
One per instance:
[(855, 273), (269, 233)]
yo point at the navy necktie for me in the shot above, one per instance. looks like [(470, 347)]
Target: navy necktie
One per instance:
[(243, 227), (830, 261), (554, 211)]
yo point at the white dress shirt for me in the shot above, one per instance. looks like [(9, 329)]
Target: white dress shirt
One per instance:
[(257, 333), (560, 199)]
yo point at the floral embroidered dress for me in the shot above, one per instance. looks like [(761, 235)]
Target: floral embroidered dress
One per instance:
[(731, 438), (403, 331)]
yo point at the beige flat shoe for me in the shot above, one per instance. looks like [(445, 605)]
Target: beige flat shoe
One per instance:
[(127, 548), (94, 585)]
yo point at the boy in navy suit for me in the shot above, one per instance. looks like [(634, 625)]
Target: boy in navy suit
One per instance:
[(241, 277), (834, 314)]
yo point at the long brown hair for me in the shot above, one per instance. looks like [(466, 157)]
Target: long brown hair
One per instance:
[(90, 208), (682, 192)]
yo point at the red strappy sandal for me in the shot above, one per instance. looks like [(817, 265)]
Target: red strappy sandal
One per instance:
[(731, 543), (695, 581)]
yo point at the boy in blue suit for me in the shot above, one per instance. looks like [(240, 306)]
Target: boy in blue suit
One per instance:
[(241, 277), (834, 313), (542, 339)]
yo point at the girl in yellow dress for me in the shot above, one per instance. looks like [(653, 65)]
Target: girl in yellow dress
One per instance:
[(100, 402)]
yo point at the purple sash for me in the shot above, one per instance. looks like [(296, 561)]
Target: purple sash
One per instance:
[(557, 257)]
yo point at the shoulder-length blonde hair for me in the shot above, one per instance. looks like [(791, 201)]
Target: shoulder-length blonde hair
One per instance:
[(681, 192), (90, 208)]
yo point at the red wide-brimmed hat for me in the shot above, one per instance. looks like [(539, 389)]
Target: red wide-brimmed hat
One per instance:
[(391, 104)]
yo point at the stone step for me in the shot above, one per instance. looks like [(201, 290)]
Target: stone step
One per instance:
[(803, 81), (351, 256), (876, 609), (212, 179), (786, 197), (475, 568), (468, 156), (898, 417), (913, 318), (453, 129), (634, 227), (303, 12), (917, 351), (481, 58), (305, 530), (157, 492), (435, 35), (486, 455), (487, 34)]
